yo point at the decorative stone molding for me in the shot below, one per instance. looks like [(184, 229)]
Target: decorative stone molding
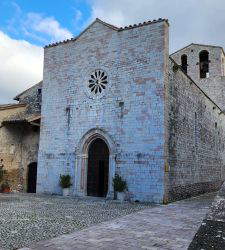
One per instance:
[(81, 165)]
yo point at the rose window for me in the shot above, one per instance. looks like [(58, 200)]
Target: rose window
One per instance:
[(98, 81)]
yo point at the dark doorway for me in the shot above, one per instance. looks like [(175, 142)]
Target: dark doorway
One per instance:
[(32, 177), (98, 169)]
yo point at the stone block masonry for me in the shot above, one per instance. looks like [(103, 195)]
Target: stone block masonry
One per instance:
[(164, 132), (214, 84), (18, 146), (19, 136), (128, 113), (196, 138)]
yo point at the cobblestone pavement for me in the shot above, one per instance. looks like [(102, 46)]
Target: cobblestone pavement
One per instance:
[(27, 218), (168, 227)]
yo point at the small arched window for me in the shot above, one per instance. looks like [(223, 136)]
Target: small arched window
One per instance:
[(184, 63), (204, 63)]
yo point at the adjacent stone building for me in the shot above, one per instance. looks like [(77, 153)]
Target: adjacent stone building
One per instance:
[(19, 139), (114, 101)]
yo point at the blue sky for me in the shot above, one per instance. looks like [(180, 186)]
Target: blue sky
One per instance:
[(17, 15), (28, 25)]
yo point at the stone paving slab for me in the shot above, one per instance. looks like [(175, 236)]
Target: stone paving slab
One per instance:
[(27, 218), (158, 228), (211, 233)]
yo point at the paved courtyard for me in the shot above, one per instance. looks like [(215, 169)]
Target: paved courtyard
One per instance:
[(27, 218), (170, 227)]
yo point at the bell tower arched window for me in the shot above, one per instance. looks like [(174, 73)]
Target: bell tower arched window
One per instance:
[(184, 63), (204, 63)]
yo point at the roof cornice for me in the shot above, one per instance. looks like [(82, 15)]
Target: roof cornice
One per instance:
[(109, 26), (16, 98), (12, 106), (198, 44)]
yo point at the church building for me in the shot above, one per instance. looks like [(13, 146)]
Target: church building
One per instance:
[(114, 101)]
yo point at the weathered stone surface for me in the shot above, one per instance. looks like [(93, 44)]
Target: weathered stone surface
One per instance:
[(211, 233), (165, 134), (169, 227), (196, 139), (33, 97), (214, 85), (128, 115), (19, 140), (27, 218)]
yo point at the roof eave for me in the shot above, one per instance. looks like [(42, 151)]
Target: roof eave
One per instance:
[(110, 26), (17, 98), (198, 44), (12, 106)]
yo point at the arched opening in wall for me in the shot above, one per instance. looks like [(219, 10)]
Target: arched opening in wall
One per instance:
[(204, 64), (184, 63), (32, 177), (98, 168)]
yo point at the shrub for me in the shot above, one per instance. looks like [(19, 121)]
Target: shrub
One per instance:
[(119, 184), (65, 181)]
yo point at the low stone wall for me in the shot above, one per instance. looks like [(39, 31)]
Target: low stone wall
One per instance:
[(189, 190)]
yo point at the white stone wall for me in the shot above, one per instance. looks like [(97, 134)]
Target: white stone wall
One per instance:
[(130, 114)]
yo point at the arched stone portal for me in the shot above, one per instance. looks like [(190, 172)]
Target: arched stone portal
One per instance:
[(84, 156), (32, 177), (98, 168)]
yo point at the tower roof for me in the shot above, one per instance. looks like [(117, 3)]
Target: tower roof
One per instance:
[(198, 44)]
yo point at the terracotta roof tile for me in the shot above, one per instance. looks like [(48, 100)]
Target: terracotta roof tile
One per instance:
[(22, 116), (113, 27), (198, 44), (11, 105), (142, 24)]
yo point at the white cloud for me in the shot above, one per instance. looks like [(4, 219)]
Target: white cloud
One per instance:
[(21, 66), (35, 22), (78, 16), (21, 63), (191, 20), (37, 26)]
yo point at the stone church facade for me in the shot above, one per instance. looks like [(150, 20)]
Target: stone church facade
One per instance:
[(114, 101)]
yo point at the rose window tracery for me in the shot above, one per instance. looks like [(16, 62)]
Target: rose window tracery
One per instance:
[(97, 82)]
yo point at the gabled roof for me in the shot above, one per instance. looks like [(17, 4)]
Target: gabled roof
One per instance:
[(22, 117), (18, 96), (104, 23), (11, 106), (89, 26), (198, 44), (109, 26)]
